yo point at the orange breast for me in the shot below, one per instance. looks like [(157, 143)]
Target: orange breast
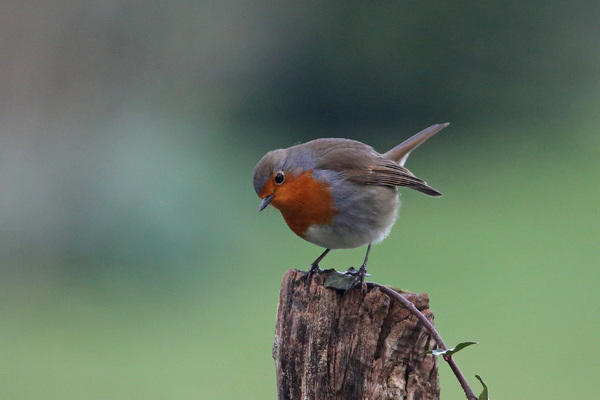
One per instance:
[(304, 201)]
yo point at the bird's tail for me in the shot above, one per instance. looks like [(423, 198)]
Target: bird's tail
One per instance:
[(400, 153)]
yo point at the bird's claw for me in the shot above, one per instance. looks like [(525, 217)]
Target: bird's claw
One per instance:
[(359, 275), (313, 271)]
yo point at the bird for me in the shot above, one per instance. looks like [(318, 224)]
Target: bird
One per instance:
[(339, 193)]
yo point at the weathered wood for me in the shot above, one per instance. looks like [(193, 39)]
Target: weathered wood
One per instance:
[(351, 345)]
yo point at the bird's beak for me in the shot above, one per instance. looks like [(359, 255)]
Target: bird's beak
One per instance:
[(265, 202)]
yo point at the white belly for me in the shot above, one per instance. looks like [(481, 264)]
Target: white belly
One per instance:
[(361, 221)]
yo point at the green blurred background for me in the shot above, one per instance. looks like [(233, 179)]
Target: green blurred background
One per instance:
[(134, 263)]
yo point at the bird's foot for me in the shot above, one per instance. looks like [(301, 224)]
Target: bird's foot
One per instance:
[(358, 275), (313, 271)]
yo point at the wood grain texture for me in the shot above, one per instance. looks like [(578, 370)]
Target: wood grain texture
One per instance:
[(350, 345)]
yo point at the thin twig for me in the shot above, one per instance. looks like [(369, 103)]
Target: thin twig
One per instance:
[(432, 331)]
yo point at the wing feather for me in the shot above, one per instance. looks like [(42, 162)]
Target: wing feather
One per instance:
[(387, 173), (358, 162)]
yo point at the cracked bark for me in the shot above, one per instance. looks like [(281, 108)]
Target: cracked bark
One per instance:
[(352, 345)]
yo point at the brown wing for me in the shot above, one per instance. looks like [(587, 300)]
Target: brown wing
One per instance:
[(359, 163), (387, 173)]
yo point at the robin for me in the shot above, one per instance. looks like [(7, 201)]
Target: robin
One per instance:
[(339, 193)]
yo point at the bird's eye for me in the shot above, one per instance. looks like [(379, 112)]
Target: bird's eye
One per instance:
[(279, 178)]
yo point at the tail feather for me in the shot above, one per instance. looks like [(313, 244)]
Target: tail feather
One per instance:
[(400, 153)]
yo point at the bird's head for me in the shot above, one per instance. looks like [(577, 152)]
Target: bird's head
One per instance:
[(269, 176)]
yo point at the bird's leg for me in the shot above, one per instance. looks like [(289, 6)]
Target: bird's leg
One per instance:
[(314, 267), (362, 272)]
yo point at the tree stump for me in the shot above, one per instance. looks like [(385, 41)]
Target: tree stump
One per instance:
[(349, 345)]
